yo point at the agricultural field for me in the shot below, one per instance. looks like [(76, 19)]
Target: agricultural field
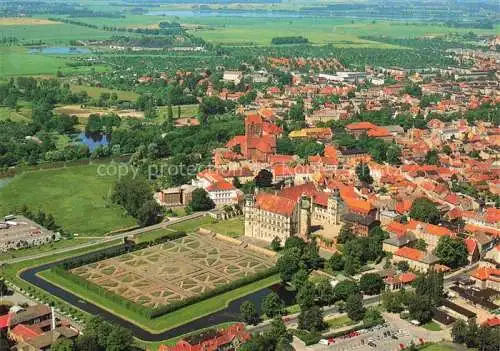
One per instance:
[(73, 195), (16, 21), (95, 92), (51, 33), (82, 113), (17, 61), (175, 270)]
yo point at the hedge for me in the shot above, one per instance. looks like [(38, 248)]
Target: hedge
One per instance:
[(63, 270), (307, 337)]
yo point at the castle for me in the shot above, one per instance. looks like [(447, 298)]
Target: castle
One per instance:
[(293, 211)]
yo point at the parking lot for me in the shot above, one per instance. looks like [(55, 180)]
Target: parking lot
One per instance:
[(380, 338), (388, 337)]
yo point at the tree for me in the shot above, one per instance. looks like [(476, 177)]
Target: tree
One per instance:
[(471, 339), (459, 331), (279, 332), (371, 283), (403, 266), (346, 233), (264, 179), (432, 157), (306, 295), (336, 262), (98, 329), (119, 339), (150, 213), (249, 313), (424, 210), (420, 307), (300, 278), (420, 244), (86, 343), (354, 307), (344, 289), (310, 256), (363, 173), (62, 345), (288, 264), (324, 292), (295, 242), (200, 201), (311, 319), (452, 251), (372, 317), (276, 244), (131, 193), (272, 305)]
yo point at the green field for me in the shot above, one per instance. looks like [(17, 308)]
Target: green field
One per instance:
[(76, 196), (186, 111), (15, 61), (21, 115), (95, 92), (233, 227), (440, 347), (432, 326), (52, 34)]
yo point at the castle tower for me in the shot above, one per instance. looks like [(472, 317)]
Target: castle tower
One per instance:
[(248, 212), (335, 208), (305, 210)]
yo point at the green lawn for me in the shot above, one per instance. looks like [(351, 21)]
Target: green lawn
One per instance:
[(154, 234), (76, 196), (96, 92), (233, 227), (339, 322), (169, 320), (432, 326), (186, 111)]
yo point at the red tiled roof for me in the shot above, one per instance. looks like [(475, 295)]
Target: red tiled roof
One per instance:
[(410, 253), (403, 207), (276, 204), (471, 245), (220, 186), (492, 215), (438, 230), (361, 126), (295, 192), (486, 273), (477, 229), (25, 332), (5, 320), (493, 322), (378, 132), (281, 159), (357, 205)]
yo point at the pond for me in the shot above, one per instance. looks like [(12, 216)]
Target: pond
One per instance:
[(93, 140), (227, 13), (59, 50)]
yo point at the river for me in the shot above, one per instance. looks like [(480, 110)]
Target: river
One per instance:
[(229, 314)]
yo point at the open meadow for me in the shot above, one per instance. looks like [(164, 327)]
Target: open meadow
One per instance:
[(76, 196)]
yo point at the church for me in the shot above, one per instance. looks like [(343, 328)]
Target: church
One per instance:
[(259, 141)]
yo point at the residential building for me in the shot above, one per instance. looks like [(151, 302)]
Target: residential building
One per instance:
[(417, 260)]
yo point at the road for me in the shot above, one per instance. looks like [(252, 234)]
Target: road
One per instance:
[(102, 240)]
